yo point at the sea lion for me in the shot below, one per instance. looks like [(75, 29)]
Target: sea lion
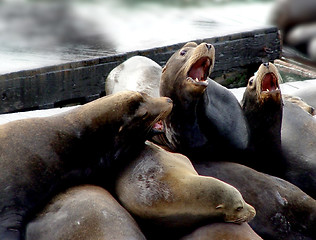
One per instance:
[(262, 105), (220, 231), (137, 73), (283, 211), (289, 13), (299, 102), (206, 117), (277, 138), (41, 155), (308, 94), (296, 20), (301, 34), (84, 212), (163, 189)]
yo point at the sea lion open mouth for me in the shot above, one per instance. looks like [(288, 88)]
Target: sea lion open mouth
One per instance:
[(269, 83), (199, 71)]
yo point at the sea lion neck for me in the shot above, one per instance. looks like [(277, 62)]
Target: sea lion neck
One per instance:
[(265, 124), (184, 134)]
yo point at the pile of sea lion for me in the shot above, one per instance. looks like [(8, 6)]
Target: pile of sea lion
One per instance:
[(263, 146), (191, 163)]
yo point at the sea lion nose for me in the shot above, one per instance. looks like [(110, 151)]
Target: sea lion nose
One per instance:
[(208, 46), (266, 64), (169, 100)]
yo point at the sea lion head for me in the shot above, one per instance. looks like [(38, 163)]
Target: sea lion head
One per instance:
[(234, 208), (129, 118), (263, 88), (188, 68)]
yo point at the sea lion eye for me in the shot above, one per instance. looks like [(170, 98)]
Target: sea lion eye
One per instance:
[(251, 81), (183, 52), (239, 209)]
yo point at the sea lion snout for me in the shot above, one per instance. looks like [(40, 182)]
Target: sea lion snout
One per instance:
[(168, 100), (208, 46), (266, 64)]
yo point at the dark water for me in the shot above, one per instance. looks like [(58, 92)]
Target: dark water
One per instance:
[(42, 33)]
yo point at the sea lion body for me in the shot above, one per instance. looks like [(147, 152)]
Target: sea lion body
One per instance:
[(298, 137), (84, 212), (162, 188), (206, 117), (220, 231), (40, 156), (137, 73), (283, 210)]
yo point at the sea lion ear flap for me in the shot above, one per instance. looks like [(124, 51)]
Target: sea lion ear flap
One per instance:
[(164, 69), (142, 112), (220, 206)]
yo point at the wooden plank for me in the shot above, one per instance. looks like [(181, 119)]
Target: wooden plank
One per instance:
[(83, 81)]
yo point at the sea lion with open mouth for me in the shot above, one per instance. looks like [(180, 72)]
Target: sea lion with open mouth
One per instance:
[(283, 135), (40, 156), (206, 117), (262, 105)]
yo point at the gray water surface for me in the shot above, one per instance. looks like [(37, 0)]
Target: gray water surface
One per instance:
[(43, 33)]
